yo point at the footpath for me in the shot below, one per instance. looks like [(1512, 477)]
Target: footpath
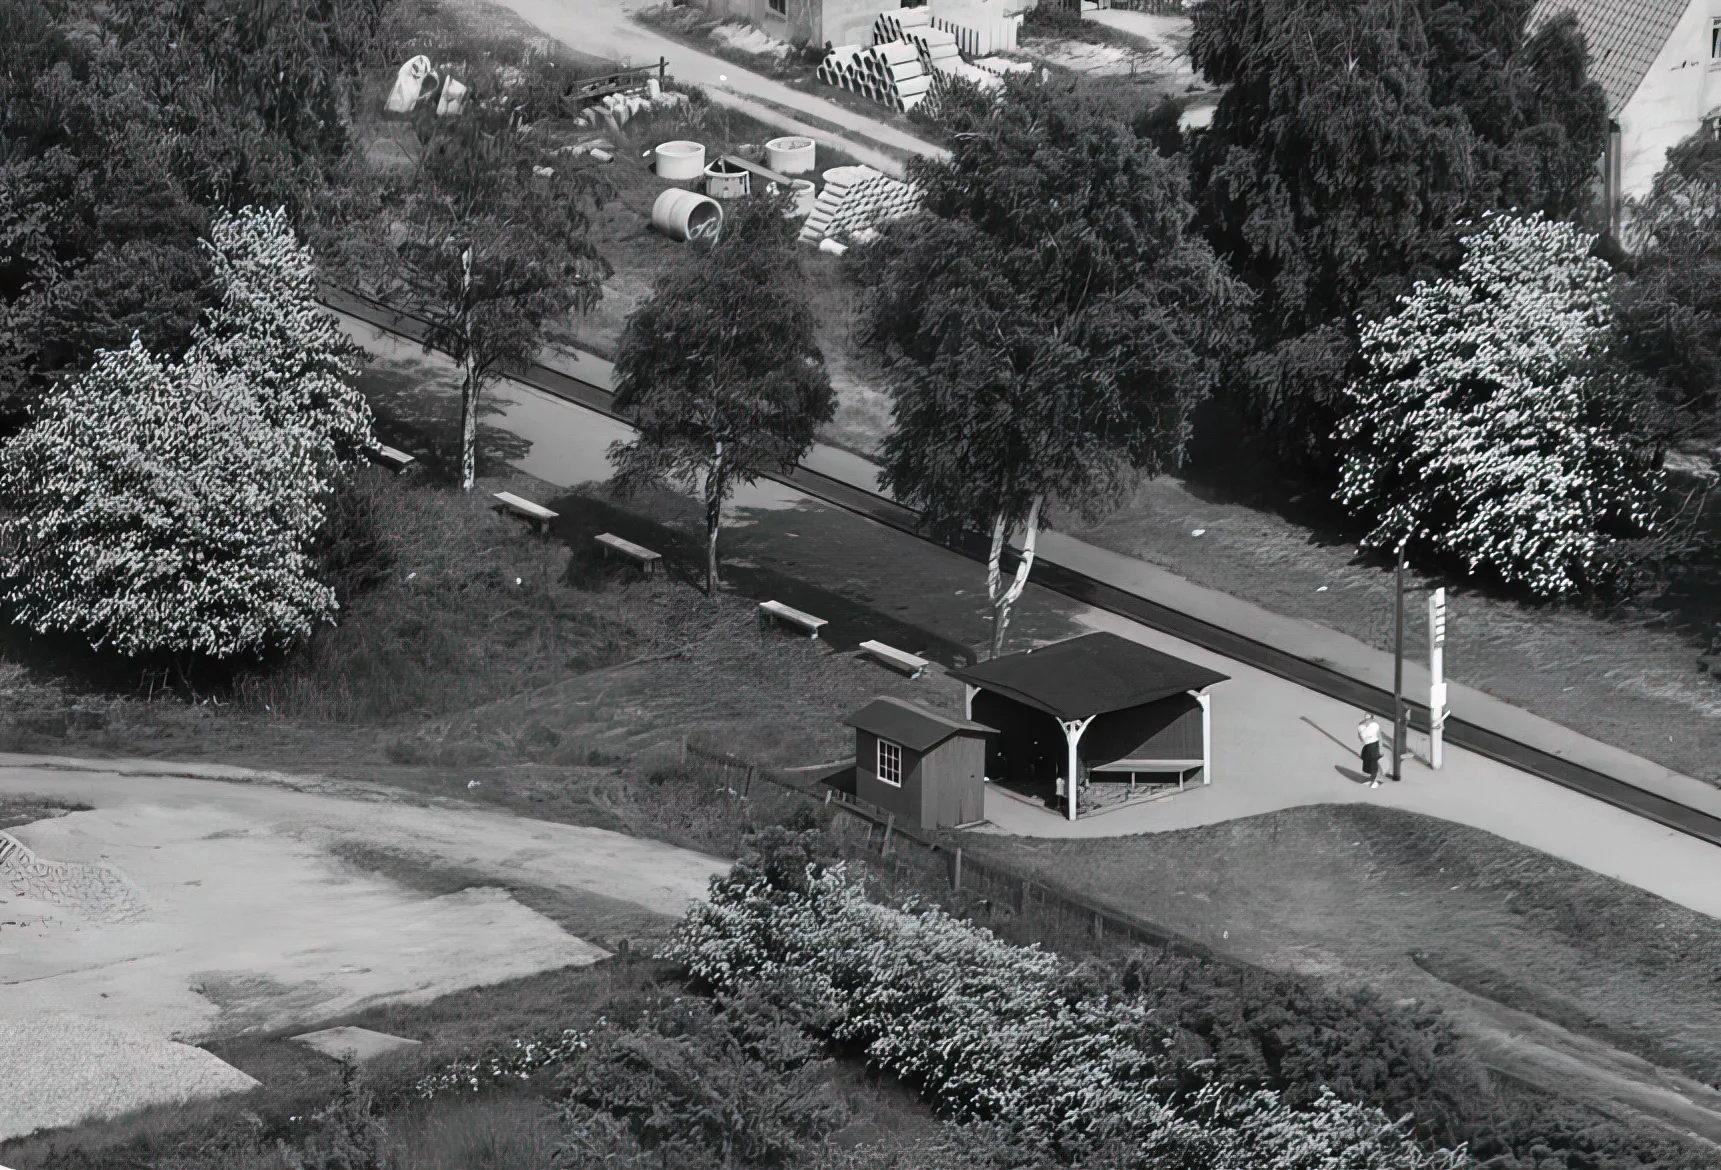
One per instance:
[(606, 28)]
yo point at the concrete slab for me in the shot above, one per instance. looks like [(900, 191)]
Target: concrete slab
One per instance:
[(355, 1044)]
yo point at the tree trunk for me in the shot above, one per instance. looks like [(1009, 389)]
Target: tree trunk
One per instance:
[(1001, 597), (468, 427), (469, 386), (713, 520)]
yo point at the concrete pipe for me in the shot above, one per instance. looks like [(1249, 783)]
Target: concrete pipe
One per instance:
[(789, 156), (805, 198), (679, 161), (687, 215), (727, 181)]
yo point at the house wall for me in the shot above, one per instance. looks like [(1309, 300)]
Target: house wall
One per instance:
[(848, 22), (906, 801), (1668, 107), (952, 783)]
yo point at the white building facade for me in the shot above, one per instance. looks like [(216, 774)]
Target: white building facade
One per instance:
[(1659, 62)]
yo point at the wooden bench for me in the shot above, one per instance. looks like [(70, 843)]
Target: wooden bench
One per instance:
[(395, 461), (539, 515), (646, 559), (901, 659), (783, 613)]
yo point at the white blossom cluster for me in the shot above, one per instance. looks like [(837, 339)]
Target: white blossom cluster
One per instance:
[(998, 1035), (1485, 428), (156, 506), (270, 329), (515, 1061)]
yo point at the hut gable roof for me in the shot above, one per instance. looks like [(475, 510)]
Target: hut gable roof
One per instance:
[(909, 724), (1624, 36), (1089, 675)]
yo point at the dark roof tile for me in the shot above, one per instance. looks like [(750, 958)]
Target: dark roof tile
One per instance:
[(1625, 37)]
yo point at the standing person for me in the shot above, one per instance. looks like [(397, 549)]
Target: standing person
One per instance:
[(1368, 731)]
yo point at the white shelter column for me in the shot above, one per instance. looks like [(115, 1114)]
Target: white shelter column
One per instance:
[(1073, 729)]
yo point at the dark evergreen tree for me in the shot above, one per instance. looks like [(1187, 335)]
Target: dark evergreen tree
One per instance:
[(1353, 137)]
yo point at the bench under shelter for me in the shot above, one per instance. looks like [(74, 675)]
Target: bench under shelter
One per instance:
[(1094, 707)]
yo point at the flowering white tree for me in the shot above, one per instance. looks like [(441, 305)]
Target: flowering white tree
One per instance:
[(270, 330), (165, 508), (157, 510), (1493, 426)]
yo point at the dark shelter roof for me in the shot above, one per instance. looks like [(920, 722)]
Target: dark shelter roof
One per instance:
[(1089, 675), (909, 724)]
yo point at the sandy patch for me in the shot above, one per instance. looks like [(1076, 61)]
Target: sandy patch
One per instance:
[(70, 1068), (252, 920)]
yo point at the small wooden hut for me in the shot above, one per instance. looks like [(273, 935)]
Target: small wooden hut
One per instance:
[(927, 768), (1098, 704)]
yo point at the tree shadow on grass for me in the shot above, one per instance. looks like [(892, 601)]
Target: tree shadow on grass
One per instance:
[(583, 517), (422, 417)]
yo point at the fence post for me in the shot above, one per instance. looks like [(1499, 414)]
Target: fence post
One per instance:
[(747, 788), (829, 792), (956, 870), (1099, 926), (884, 850), (684, 751)]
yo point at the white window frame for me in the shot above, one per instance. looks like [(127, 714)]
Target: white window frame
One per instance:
[(1715, 43), (889, 762)]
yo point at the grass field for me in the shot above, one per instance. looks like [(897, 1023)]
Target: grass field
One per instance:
[(1414, 906)]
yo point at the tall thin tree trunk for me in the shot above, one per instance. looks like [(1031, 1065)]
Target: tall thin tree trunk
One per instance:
[(1002, 597), (713, 519), (469, 385)]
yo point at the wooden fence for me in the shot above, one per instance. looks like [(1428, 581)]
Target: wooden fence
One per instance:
[(996, 886)]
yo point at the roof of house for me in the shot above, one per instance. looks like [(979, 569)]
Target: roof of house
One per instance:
[(1089, 675), (1624, 36), (909, 724)]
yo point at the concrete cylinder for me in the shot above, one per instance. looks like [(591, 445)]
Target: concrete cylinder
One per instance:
[(790, 156), (679, 161), (723, 181), (805, 198), (687, 215)]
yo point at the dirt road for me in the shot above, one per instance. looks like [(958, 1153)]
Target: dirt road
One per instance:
[(274, 904)]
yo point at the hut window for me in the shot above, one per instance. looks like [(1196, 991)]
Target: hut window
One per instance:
[(889, 763)]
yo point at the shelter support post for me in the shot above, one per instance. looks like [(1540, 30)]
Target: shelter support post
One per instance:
[(1206, 701), (968, 693), (1073, 729)]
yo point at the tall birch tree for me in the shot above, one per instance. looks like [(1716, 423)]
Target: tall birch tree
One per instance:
[(1047, 326), (720, 371)]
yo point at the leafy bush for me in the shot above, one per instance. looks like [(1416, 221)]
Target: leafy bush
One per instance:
[(702, 1084), (999, 1034), (171, 508), (155, 510), (1493, 427)]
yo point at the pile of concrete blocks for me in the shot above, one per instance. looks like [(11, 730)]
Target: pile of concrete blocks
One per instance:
[(855, 200), (891, 73), (615, 109)]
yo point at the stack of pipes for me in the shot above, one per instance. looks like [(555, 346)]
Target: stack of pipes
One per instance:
[(891, 73), (855, 199)]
